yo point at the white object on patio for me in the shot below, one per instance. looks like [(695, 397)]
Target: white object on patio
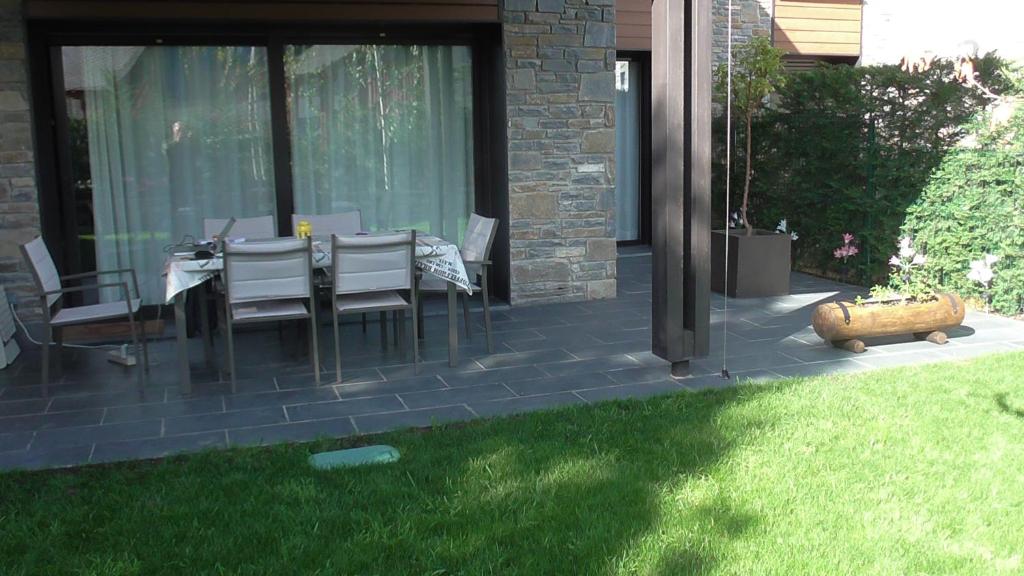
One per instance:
[(9, 349), (260, 227)]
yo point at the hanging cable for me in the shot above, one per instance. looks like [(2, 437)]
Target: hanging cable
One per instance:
[(728, 189)]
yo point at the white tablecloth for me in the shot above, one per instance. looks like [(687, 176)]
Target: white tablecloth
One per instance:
[(433, 256)]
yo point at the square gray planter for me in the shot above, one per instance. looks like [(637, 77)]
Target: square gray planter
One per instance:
[(758, 264)]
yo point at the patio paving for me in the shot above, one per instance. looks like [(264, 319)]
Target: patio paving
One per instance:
[(546, 356)]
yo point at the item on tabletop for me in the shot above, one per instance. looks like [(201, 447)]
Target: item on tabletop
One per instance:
[(304, 229)]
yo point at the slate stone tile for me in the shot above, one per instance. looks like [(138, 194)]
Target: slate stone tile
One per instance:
[(158, 447), (640, 375), (843, 366), (422, 383), (87, 435), (440, 368), (104, 400), (583, 350), (43, 459), (50, 421), (362, 375), (22, 407), (737, 363), (523, 358), (493, 376), (552, 343), (525, 404), (15, 441), (452, 396), (560, 384), (373, 423), (339, 408), (894, 360), (291, 432), (223, 420), (588, 366), (626, 391), (202, 405), (279, 398)]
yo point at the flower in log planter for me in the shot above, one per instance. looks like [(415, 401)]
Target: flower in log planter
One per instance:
[(891, 312)]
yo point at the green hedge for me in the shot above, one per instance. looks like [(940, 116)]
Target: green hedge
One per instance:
[(851, 149), (974, 205)]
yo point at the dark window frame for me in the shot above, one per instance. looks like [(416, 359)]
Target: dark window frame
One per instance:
[(45, 38), (643, 58)]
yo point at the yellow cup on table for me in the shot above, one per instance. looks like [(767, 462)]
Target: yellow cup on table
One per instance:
[(304, 229)]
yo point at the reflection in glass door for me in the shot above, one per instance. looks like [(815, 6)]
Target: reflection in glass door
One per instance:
[(627, 150), (160, 137)]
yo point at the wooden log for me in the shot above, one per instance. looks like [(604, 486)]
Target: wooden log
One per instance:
[(855, 346), (936, 337), (841, 321)]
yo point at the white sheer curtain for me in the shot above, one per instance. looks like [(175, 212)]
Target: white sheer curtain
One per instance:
[(627, 150), (174, 134), (385, 129)]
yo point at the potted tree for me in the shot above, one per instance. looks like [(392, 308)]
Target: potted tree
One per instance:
[(759, 260)]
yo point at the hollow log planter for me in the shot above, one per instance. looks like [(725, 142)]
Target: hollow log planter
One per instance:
[(845, 324)]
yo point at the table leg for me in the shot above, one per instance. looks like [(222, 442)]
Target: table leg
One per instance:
[(184, 376), (204, 324), (453, 331)]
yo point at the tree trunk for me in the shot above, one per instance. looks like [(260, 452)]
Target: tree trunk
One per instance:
[(746, 179)]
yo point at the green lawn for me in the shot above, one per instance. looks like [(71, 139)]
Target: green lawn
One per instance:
[(911, 471)]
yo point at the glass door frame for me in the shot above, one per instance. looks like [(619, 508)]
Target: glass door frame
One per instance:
[(53, 155), (643, 59)]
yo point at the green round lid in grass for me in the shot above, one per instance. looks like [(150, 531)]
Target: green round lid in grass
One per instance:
[(379, 454)]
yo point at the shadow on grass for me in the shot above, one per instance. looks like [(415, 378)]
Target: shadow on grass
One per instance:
[(619, 487), (1005, 406)]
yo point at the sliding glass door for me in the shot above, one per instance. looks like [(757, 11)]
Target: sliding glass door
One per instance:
[(387, 130), (627, 151), (160, 137), (155, 138)]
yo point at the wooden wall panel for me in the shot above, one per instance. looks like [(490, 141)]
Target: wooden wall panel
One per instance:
[(818, 27), (267, 10), (633, 24)]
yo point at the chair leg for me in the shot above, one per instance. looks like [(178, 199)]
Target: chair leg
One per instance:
[(465, 315), (58, 349), (337, 345), (384, 330), (229, 333), (487, 316), (314, 343), (222, 326), (145, 345), (135, 348), (394, 327), (419, 312), (46, 358), (400, 331), (415, 340), (364, 323)]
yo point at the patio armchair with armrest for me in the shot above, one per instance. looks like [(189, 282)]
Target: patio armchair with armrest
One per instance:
[(49, 284)]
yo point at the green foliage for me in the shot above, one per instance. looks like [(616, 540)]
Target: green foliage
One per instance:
[(974, 205), (849, 149)]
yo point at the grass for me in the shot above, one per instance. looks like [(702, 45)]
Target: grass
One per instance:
[(910, 471)]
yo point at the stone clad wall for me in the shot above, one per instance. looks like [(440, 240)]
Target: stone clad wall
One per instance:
[(560, 82), (19, 208), (749, 19)]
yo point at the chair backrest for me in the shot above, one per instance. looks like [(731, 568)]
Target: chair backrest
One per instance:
[(258, 227), (268, 270), (342, 223), (44, 271), (373, 263), (480, 232)]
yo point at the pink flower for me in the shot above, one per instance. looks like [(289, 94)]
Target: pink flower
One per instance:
[(895, 261), (853, 250), (848, 238), (839, 253)]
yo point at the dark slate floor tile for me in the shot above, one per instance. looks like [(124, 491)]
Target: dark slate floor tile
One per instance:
[(439, 368), (223, 420), (638, 390), (560, 384), (279, 398), (525, 404), (451, 396), (23, 407), (104, 400), (158, 447), (493, 376), (292, 432), (523, 358), (591, 365), (549, 343), (373, 423), (737, 363), (360, 376), (50, 421), (339, 408), (85, 435), (640, 375), (585, 350), (201, 405), (42, 459), (820, 368), (420, 384), (15, 441)]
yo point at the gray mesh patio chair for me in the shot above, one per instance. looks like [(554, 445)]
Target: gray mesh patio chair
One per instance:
[(56, 317), (342, 223), (374, 274), (476, 256), (258, 227), (269, 281)]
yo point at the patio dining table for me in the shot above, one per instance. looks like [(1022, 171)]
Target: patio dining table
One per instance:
[(182, 272)]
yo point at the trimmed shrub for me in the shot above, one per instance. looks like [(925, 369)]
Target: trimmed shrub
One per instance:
[(974, 205)]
